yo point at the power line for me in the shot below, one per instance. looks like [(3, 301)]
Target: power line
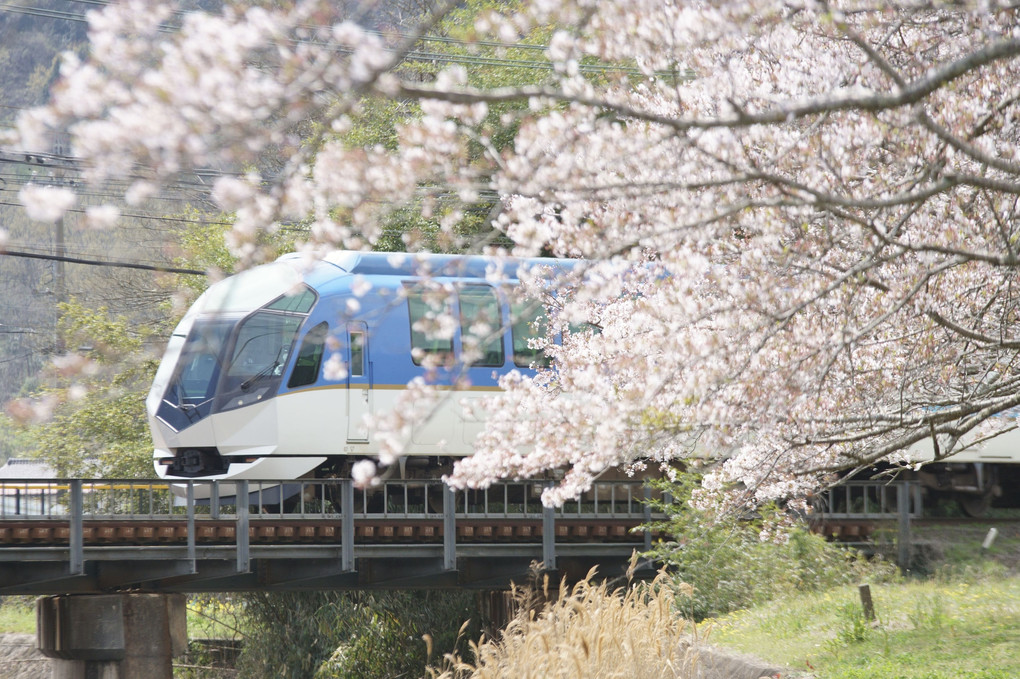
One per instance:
[(412, 55), (96, 262), (138, 215), (21, 357)]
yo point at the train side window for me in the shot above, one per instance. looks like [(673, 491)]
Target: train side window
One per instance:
[(481, 326), (429, 332), (309, 358), (357, 354), (528, 324), (578, 328)]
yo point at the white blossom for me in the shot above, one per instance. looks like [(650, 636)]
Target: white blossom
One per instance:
[(101, 216), (46, 203), (334, 369), (800, 235), (363, 473)]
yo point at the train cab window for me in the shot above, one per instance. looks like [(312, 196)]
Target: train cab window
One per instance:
[(429, 334), (481, 326), (309, 358), (263, 341), (357, 354), (298, 302), (528, 324)]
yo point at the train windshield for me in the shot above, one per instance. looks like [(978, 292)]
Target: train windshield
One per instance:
[(189, 394), (230, 361), (257, 358), (200, 362)]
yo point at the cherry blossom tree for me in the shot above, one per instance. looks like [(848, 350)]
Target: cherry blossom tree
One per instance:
[(799, 219)]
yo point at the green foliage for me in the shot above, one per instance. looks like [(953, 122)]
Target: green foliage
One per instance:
[(377, 121), (203, 246), (106, 339), (98, 424), (853, 627), (17, 615), (14, 440), (730, 566), (348, 634)]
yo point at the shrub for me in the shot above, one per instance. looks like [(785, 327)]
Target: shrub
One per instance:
[(327, 635), (730, 565)]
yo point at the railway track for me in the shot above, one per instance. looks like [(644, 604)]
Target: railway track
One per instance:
[(274, 531)]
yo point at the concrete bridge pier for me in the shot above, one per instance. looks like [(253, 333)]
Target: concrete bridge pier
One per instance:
[(112, 636)]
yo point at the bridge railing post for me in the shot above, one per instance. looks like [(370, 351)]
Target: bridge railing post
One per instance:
[(548, 536), (76, 536), (648, 516), (903, 539), (449, 529), (347, 525), (214, 501), (191, 525), (241, 532)]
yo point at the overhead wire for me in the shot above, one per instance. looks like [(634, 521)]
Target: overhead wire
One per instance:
[(120, 264), (53, 161), (412, 56)]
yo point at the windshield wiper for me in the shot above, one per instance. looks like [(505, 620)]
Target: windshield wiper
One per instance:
[(265, 372)]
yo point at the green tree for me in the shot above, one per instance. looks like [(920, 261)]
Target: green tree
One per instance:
[(90, 413), (367, 635), (376, 122)]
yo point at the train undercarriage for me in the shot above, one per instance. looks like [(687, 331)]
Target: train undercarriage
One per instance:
[(976, 487)]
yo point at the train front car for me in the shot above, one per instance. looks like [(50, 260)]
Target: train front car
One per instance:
[(212, 408), (273, 373)]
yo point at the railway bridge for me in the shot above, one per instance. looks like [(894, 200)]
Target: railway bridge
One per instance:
[(119, 554), (91, 536)]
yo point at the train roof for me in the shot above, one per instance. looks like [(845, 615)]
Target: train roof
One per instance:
[(443, 266)]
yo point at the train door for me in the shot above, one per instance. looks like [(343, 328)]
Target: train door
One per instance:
[(482, 332), (359, 382)]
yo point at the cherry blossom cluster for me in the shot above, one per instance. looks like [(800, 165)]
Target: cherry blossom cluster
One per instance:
[(799, 219)]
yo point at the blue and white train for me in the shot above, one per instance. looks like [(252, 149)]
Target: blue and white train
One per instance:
[(249, 387), (245, 389)]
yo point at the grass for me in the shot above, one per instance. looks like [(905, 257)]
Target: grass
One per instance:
[(964, 627), (17, 615), (589, 631), (208, 617)]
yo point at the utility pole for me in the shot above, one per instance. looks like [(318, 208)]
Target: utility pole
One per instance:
[(60, 274), (60, 245)]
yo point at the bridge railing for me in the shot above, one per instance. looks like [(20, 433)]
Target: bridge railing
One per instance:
[(870, 500), (81, 503), (27, 499)]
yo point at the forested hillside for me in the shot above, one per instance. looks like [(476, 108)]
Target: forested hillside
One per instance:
[(107, 260), (32, 36), (108, 263)]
